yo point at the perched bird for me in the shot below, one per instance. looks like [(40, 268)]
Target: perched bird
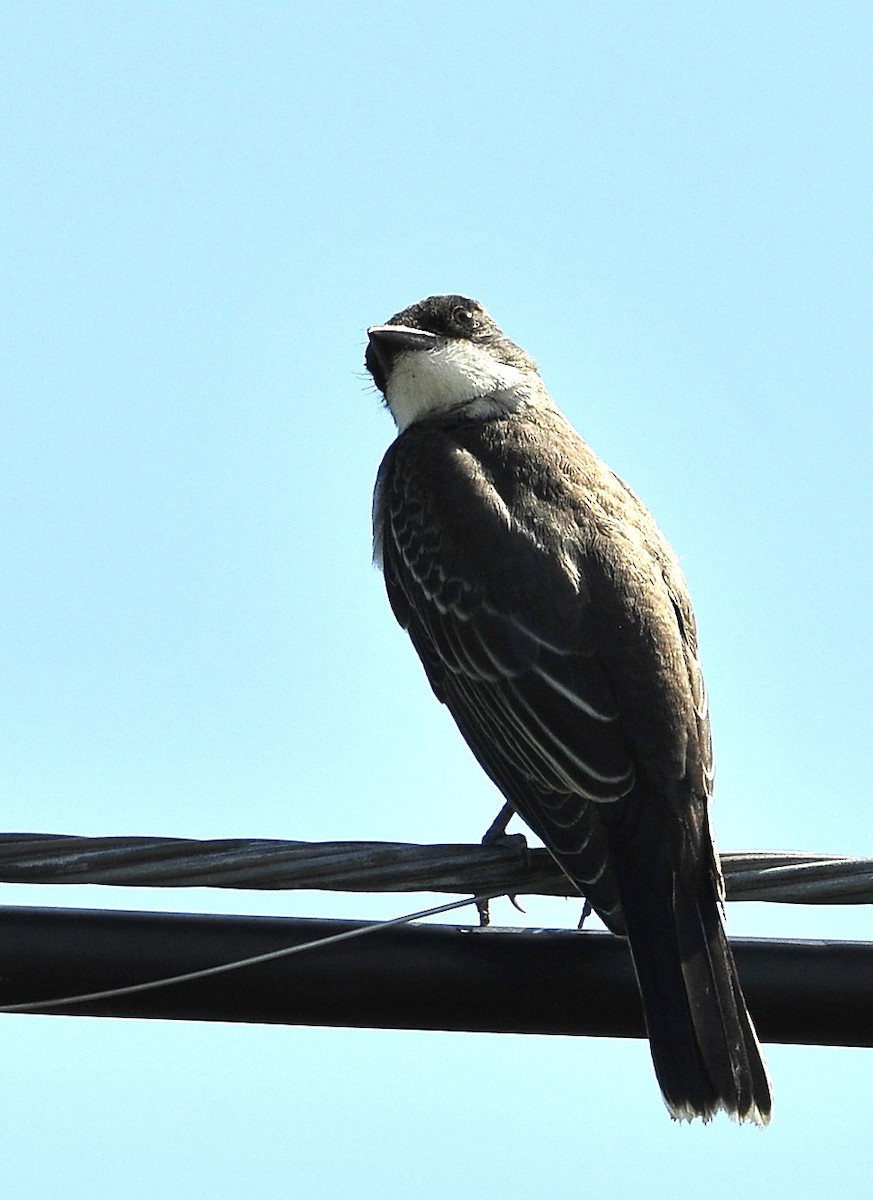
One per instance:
[(553, 620)]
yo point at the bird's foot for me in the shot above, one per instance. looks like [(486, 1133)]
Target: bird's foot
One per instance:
[(497, 829), (496, 835)]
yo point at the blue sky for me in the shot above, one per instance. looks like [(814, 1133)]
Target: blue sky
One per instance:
[(203, 208)]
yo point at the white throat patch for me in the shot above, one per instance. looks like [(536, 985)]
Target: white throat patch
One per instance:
[(423, 382)]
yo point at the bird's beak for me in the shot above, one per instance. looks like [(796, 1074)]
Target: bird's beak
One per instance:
[(387, 341), (396, 338)]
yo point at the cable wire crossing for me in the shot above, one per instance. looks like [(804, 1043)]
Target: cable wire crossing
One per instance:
[(238, 964)]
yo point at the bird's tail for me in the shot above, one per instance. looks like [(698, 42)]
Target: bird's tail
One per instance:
[(704, 1046)]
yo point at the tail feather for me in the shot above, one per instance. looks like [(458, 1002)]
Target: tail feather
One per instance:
[(706, 1054)]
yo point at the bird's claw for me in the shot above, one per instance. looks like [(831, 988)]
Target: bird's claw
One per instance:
[(496, 835)]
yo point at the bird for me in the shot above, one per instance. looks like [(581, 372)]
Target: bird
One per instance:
[(553, 620)]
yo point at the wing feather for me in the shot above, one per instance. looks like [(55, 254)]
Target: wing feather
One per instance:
[(524, 685)]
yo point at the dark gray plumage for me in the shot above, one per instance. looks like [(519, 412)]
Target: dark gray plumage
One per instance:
[(553, 620)]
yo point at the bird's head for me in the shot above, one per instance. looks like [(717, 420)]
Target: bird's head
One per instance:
[(446, 353)]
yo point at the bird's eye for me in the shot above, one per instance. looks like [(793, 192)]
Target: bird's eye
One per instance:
[(464, 318)]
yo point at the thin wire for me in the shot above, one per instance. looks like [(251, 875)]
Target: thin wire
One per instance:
[(237, 964)]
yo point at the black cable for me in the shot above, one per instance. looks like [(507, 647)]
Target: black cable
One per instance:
[(409, 977)]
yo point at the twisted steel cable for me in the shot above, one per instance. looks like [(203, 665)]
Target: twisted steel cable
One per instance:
[(786, 877)]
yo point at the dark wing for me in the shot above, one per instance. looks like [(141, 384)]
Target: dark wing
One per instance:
[(681, 602), (506, 636)]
